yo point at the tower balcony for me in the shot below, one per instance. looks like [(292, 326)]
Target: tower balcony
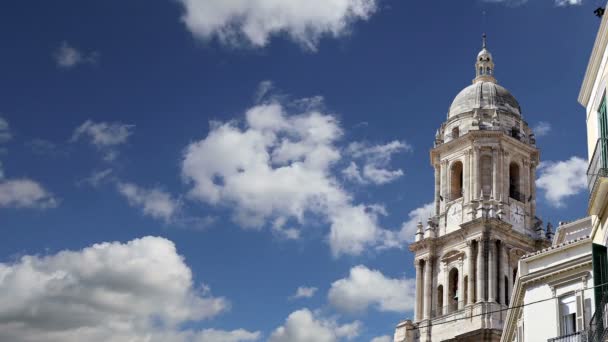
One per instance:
[(597, 177)]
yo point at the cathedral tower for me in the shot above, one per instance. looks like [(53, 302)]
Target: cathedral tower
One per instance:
[(485, 201)]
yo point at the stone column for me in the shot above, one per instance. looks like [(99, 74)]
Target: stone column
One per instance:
[(428, 287), (492, 271), (532, 193), (461, 302), (471, 276), (481, 265), (466, 172), (475, 173), (500, 270), (446, 292), (510, 275), (419, 284), (444, 185), (437, 188), (495, 179)]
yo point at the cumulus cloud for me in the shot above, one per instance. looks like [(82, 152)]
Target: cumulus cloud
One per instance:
[(277, 168), (562, 179), (375, 159), (155, 203), (240, 335), (67, 56), (365, 287), (254, 22), (421, 214), (542, 128), (136, 291), (106, 136), (304, 292), (304, 326), (25, 193), (384, 338)]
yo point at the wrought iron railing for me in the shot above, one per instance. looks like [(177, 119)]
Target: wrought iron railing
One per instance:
[(598, 325), (578, 336), (598, 167)]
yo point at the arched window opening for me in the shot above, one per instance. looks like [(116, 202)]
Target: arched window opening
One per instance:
[(453, 290), (486, 176), (515, 132), (488, 70), (456, 180), (514, 182), (455, 132), (439, 310)]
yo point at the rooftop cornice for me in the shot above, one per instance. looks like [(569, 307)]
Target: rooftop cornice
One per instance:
[(595, 60)]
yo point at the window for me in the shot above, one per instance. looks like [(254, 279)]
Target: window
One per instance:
[(567, 314), (514, 182), (453, 290), (456, 180), (455, 132)]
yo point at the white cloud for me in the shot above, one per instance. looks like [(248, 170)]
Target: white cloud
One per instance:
[(25, 193), (304, 292), (421, 214), (254, 22), (137, 291), (212, 335), (562, 179), (5, 132), (97, 177), (364, 288), (155, 203), (375, 159), (542, 128), (67, 56), (106, 136), (277, 168), (304, 326), (568, 2), (384, 338)]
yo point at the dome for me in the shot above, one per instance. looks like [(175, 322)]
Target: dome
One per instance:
[(484, 53), (484, 95)]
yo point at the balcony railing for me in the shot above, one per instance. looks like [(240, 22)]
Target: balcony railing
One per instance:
[(598, 167), (574, 337), (598, 325)]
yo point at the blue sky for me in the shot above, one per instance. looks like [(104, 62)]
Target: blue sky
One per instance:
[(266, 146)]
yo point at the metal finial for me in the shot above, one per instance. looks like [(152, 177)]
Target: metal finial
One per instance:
[(484, 41)]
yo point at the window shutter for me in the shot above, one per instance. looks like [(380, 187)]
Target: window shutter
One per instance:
[(580, 313)]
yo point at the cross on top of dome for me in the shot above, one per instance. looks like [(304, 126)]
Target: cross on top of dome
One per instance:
[(484, 65)]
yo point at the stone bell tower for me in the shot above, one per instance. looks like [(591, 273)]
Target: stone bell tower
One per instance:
[(485, 201)]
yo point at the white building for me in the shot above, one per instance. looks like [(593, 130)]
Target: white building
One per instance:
[(485, 203), (553, 294), (593, 97)]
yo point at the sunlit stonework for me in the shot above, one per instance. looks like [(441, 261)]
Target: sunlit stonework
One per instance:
[(485, 202)]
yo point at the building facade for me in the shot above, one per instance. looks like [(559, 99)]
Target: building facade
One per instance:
[(466, 256), (553, 295), (593, 97)]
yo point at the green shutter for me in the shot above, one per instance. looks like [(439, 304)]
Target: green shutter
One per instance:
[(603, 123), (600, 274)]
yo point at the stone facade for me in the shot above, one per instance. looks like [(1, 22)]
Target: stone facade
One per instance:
[(466, 255)]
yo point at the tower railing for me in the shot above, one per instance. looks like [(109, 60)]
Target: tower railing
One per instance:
[(578, 336)]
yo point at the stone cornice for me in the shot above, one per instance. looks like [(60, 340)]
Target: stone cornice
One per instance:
[(594, 63), (472, 135)]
